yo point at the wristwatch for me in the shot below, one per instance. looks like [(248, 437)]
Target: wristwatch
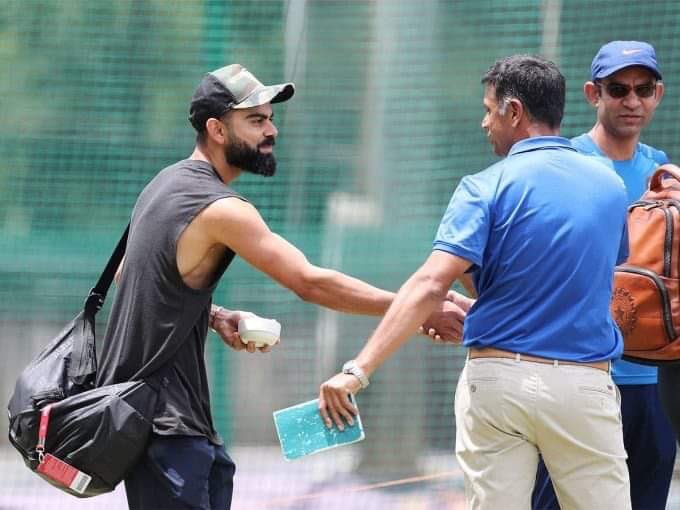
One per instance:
[(352, 368)]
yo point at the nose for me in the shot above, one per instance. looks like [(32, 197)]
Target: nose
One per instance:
[(271, 130), (631, 100)]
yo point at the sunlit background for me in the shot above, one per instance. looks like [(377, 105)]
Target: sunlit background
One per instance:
[(386, 119)]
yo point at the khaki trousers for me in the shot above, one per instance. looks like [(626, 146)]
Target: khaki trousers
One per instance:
[(507, 411)]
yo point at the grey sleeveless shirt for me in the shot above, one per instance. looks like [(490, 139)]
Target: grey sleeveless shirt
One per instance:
[(156, 320)]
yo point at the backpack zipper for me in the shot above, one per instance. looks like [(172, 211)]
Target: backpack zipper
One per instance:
[(676, 204), (668, 242), (668, 235)]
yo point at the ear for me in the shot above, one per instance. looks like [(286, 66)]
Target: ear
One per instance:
[(592, 93), (216, 131), (660, 89), (516, 111)]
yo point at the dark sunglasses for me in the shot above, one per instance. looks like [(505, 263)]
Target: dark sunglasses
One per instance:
[(619, 90)]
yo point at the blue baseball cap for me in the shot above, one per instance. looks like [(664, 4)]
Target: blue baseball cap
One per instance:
[(617, 55)]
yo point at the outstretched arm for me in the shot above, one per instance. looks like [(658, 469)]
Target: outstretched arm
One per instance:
[(239, 226), (416, 300)]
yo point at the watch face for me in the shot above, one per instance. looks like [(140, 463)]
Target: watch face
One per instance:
[(351, 368)]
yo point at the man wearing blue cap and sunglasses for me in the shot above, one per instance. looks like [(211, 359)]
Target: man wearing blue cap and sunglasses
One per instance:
[(626, 88)]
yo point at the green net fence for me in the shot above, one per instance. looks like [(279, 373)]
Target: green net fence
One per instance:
[(94, 100)]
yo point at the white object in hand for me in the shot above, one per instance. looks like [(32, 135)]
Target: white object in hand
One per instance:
[(259, 330)]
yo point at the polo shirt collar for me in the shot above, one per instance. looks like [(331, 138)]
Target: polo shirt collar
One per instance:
[(540, 142)]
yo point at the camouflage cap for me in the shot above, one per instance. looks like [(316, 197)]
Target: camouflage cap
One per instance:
[(232, 87)]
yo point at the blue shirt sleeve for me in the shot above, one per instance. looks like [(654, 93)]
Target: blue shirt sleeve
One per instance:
[(623, 247), (464, 229), (661, 157)]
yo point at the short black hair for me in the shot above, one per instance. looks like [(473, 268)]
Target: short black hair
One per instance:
[(535, 81)]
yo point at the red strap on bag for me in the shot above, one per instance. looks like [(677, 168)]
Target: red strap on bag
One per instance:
[(42, 432)]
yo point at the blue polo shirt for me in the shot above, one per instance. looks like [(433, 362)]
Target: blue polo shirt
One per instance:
[(635, 173), (543, 229)]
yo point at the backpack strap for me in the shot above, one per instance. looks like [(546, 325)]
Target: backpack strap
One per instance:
[(660, 173)]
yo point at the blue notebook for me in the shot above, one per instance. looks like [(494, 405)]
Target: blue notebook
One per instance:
[(302, 431)]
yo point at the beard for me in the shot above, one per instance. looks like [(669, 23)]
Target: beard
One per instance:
[(239, 154)]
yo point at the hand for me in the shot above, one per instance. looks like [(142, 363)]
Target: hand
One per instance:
[(225, 324), (464, 302), (334, 401), (445, 325)]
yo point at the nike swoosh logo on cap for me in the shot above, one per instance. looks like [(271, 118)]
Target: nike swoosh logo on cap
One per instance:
[(630, 52)]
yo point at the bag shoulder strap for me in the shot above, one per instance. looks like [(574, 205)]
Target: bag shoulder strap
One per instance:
[(97, 295), (83, 362)]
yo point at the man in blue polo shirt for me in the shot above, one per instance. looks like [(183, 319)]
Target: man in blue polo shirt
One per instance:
[(540, 232), (626, 88)]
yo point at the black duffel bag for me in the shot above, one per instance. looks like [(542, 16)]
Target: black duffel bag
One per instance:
[(83, 440)]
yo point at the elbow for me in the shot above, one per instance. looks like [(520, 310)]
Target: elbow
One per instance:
[(433, 288), (310, 285), (305, 292), (306, 286)]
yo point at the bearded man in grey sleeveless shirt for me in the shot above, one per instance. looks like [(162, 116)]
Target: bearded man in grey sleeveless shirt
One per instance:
[(186, 227)]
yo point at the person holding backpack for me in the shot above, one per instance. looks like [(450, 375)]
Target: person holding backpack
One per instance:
[(626, 88)]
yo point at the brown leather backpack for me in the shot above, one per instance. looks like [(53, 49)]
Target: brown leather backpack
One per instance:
[(646, 292)]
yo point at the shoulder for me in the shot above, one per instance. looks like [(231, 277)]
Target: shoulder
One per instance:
[(602, 174), (587, 148), (593, 160), (491, 174), (229, 219), (229, 207), (584, 144), (166, 174), (656, 155), (484, 182), (190, 173), (598, 164)]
